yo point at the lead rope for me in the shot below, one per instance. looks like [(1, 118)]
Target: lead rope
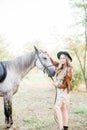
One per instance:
[(55, 117), (55, 90)]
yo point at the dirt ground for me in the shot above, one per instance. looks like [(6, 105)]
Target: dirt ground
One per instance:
[(34, 101)]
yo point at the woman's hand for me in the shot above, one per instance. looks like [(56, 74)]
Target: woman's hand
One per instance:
[(60, 65)]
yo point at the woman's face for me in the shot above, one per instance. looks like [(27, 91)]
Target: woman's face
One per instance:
[(63, 59)]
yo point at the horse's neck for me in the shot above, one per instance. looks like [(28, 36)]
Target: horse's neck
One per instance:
[(25, 63)]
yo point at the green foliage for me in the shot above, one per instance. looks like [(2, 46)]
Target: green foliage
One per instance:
[(77, 73), (79, 11), (79, 47), (77, 78), (35, 123), (82, 109), (78, 3)]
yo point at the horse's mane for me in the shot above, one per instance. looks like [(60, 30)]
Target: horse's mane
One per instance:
[(20, 62)]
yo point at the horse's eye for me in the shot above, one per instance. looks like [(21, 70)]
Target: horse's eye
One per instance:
[(44, 58)]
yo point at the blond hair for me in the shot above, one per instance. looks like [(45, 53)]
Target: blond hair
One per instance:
[(60, 67)]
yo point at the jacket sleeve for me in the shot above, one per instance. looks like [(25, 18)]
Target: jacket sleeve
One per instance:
[(55, 63), (67, 80)]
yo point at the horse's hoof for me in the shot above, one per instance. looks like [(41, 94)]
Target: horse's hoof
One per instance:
[(12, 128), (8, 126)]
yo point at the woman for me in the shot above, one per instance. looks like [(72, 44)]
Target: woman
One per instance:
[(62, 84)]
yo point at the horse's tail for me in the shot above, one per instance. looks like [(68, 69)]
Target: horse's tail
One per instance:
[(3, 72)]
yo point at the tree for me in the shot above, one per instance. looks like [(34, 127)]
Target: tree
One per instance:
[(81, 5)]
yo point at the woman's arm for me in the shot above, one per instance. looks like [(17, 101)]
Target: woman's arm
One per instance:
[(55, 63), (64, 85)]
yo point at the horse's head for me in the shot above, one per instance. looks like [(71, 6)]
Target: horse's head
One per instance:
[(44, 62)]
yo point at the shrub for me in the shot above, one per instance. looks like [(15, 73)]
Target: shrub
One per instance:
[(77, 78)]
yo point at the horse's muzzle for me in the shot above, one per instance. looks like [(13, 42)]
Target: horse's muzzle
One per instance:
[(51, 71)]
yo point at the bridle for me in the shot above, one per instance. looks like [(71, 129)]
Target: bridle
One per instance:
[(44, 67)]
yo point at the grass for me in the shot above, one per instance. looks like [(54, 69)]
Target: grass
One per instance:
[(33, 105), (82, 109), (36, 123)]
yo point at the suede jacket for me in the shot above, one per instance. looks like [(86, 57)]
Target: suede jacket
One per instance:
[(67, 77)]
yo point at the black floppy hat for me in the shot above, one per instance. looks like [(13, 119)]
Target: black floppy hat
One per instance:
[(65, 53)]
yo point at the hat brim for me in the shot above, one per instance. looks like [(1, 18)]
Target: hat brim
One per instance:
[(65, 53)]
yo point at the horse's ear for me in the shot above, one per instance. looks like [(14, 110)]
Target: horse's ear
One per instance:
[(35, 48)]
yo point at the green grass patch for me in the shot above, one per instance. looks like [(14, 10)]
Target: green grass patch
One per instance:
[(30, 119), (82, 109), (36, 123)]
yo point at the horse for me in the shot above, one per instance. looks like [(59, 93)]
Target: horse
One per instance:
[(13, 71)]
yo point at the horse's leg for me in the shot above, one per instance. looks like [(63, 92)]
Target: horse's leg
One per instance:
[(8, 110)]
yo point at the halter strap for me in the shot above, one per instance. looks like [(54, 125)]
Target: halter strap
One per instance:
[(45, 67)]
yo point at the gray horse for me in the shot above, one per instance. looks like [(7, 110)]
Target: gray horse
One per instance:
[(12, 73)]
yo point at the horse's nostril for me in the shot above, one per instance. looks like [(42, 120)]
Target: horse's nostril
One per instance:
[(51, 74), (54, 73)]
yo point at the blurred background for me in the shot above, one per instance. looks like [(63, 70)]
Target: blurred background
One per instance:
[(51, 25)]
